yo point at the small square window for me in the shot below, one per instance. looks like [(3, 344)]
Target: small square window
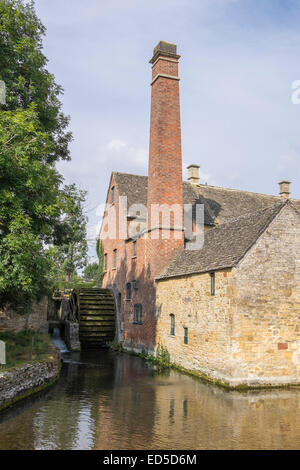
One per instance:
[(172, 330), (113, 195), (185, 336), (134, 249), (137, 314), (128, 291), (212, 283)]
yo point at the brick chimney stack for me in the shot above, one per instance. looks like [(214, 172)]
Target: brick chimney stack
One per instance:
[(165, 162), (165, 188)]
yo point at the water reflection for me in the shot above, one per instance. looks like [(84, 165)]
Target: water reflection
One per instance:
[(114, 401)]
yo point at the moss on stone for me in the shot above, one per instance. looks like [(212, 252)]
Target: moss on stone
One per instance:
[(30, 392), (161, 361), (53, 357)]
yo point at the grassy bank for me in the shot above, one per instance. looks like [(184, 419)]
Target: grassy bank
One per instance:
[(23, 347)]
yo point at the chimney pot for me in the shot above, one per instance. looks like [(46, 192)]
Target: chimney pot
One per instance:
[(193, 174), (285, 189)]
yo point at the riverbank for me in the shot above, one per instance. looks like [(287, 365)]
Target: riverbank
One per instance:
[(29, 369), (162, 361)]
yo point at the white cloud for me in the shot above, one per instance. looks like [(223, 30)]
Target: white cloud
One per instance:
[(116, 145), (121, 154), (239, 59)]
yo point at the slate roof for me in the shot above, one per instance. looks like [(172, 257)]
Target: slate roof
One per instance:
[(238, 219), (224, 245), (135, 187), (220, 204)]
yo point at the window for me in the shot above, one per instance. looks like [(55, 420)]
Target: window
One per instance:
[(134, 249), (212, 283), (172, 330), (137, 314), (115, 258), (128, 291), (113, 195), (105, 262), (185, 336)]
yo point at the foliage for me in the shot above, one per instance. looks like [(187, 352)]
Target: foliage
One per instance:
[(30, 205), (23, 347), (71, 255), (91, 272), (162, 358), (100, 254), (23, 70), (42, 226), (75, 282)]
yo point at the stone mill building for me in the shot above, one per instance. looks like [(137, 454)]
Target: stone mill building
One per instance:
[(229, 310)]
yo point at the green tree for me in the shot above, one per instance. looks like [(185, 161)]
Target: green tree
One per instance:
[(23, 70), (71, 255), (30, 205), (35, 211), (91, 272), (100, 254)]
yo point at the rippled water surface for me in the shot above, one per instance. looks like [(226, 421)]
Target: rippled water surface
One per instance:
[(106, 400)]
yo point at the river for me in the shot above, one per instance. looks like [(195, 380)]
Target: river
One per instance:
[(108, 400)]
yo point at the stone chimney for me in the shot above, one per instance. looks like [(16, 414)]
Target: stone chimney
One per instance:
[(285, 189), (193, 174), (165, 162)]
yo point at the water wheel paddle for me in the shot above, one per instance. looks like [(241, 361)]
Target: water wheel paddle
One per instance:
[(96, 313)]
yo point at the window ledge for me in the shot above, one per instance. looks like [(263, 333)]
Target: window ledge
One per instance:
[(127, 300), (114, 269), (133, 257)]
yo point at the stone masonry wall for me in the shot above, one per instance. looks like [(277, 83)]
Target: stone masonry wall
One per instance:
[(208, 319), (36, 320), (249, 332), (71, 336), (265, 293), (19, 382)]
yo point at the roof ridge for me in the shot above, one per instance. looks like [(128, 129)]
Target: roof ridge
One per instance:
[(235, 190), (291, 203), (199, 186), (128, 174)]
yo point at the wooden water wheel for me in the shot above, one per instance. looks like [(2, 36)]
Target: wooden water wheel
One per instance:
[(95, 311)]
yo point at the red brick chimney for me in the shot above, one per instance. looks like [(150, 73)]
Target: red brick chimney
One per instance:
[(165, 161)]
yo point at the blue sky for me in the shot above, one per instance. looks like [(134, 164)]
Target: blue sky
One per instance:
[(239, 59)]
